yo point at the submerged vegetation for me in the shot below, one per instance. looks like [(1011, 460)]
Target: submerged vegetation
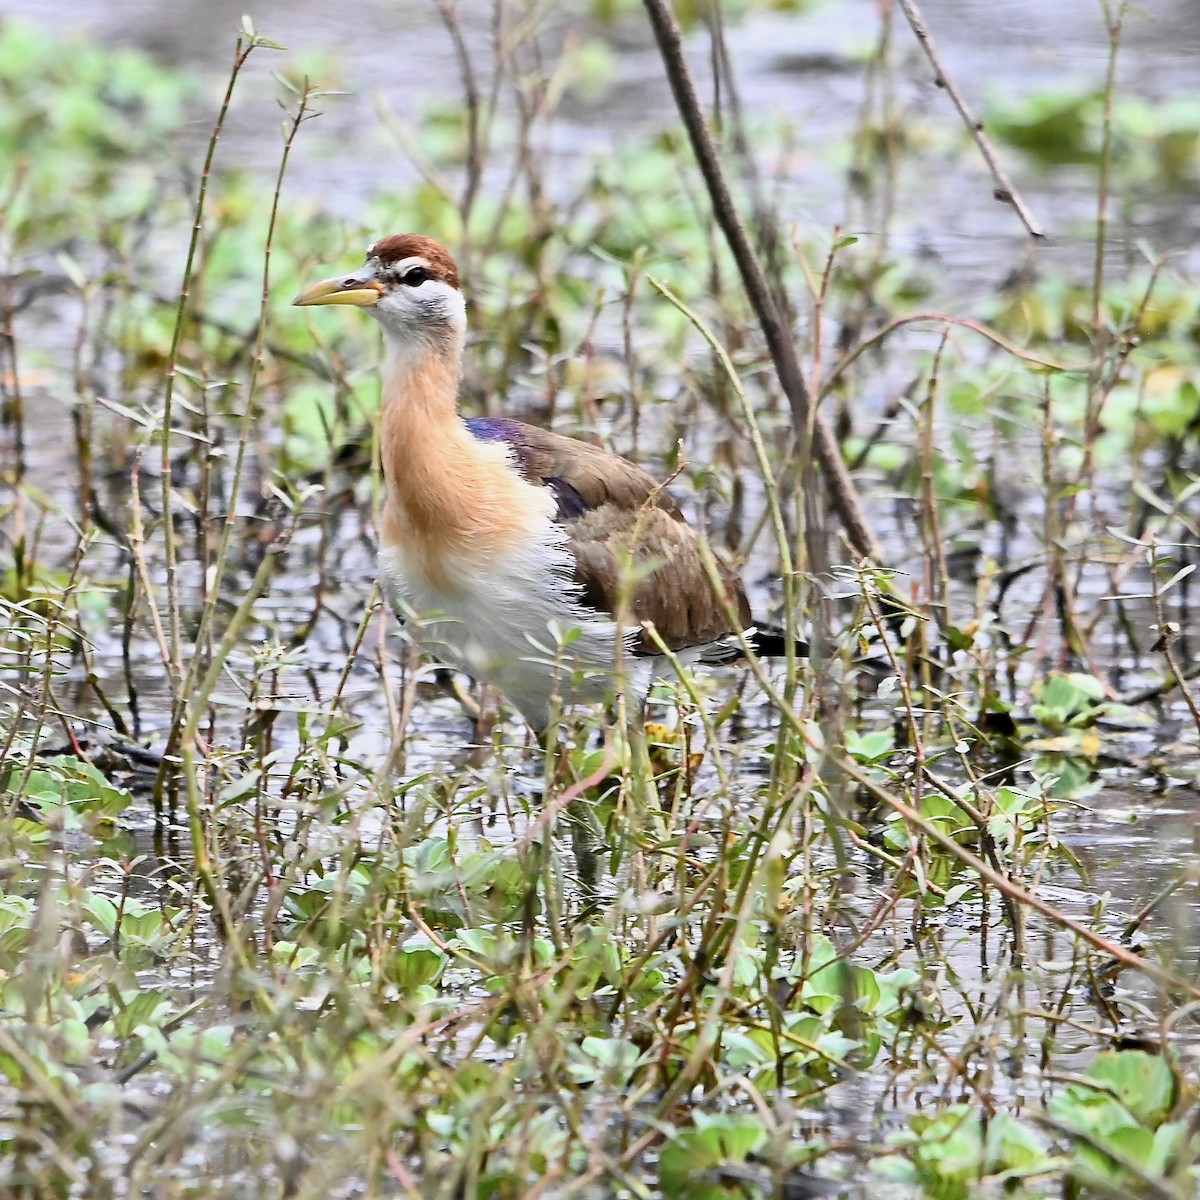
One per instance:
[(284, 910)]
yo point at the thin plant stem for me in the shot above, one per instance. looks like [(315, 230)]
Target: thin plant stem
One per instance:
[(1005, 192), (243, 48), (812, 430)]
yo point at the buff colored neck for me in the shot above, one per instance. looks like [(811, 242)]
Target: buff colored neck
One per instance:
[(451, 498), (418, 402), (430, 461)]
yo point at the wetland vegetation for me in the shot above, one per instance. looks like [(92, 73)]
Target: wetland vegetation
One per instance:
[(284, 910)]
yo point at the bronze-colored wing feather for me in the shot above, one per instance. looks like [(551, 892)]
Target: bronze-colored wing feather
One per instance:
[(616, 514)]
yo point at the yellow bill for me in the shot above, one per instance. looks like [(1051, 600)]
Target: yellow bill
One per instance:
[(344, 289)]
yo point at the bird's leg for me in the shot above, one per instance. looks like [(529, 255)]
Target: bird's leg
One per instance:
[(586, 847), (643, 806), (567, 774), (487, 715)]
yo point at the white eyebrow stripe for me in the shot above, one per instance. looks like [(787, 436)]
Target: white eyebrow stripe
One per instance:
[(414, 260)]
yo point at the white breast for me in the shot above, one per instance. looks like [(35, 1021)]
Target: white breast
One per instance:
[(514, 622)]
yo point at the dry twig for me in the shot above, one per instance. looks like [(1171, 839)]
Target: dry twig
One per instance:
[(811, 427), (1005, 192)]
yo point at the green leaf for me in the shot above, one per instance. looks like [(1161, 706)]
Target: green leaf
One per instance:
[(1062, 697), (415, 965), (1143, 1082), (140, 1009), (688, 1165), (869, 747), (1014, 1146), (101, 910)]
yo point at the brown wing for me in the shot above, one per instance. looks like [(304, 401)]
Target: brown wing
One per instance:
[(617, 518)]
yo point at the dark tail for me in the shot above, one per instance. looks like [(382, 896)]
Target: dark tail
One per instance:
[(769, 641)]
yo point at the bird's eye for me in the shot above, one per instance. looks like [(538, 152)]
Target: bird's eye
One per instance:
[(414, 277)]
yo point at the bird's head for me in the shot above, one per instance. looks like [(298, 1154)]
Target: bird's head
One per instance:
[(409, 284)]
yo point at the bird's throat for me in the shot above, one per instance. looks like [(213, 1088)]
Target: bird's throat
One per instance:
[(420, 384), (451, 499), (419, 429)]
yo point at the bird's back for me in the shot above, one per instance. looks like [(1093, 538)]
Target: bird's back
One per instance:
[(633, 549)]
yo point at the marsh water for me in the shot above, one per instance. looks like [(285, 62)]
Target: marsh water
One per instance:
[(804, 66), (1135, 830)]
